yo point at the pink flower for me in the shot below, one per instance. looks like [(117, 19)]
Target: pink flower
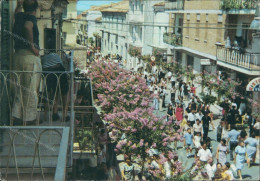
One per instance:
[(164, 134), (154, 128), (129, 143), (134, 130), (116, 150), (119, 146), (165, 144), (134, 147), (170, 155), (154, 145)]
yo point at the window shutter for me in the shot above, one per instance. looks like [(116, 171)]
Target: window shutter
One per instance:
[(5, 36)]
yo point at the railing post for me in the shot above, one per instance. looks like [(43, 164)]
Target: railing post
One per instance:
[(71, 107)]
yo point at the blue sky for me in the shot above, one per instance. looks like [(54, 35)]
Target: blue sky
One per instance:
[(86, 4)]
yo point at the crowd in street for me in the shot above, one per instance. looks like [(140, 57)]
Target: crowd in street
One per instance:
[(194, 117)]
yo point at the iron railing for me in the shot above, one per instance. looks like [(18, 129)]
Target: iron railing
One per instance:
[(34, 152), (172, 39), (249, 61), (178, 5)]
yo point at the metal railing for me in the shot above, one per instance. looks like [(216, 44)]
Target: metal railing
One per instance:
[(172, 39), (34, 152), (174, 5), (238, 4), (250, 61), (49, 104)]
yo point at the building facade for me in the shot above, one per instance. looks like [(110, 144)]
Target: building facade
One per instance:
[(115, 30)]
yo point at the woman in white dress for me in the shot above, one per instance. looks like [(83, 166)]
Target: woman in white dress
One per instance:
[(222, 151)]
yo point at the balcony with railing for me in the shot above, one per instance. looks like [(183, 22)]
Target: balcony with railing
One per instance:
[(238, 4), (176, 5), (172, 39), (242, 61)]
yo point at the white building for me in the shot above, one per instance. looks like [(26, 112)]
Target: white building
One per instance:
[(115, 29), (147, 23)]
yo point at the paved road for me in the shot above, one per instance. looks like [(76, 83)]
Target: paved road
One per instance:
[(252, 173)]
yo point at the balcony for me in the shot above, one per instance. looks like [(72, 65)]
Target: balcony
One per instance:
[(238, 4), (34, 152), (172, 39), (178, 5), (245, 62)]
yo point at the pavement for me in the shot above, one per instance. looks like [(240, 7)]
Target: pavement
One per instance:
[(252, 173)]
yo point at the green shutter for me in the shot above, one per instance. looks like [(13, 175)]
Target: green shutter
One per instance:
[(4, 61), (5, 36)]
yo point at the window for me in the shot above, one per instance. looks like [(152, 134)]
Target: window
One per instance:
[(198, 17), (207, 17), (188, 16), (142, 8), (220, 18), (141, 34)]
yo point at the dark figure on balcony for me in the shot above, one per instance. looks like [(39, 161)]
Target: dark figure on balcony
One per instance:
[(27, 62), (56, 85)]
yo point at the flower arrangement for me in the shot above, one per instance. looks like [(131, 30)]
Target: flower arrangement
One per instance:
[(135, 51)]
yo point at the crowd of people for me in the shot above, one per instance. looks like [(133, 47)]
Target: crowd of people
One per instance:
[(194, 117)]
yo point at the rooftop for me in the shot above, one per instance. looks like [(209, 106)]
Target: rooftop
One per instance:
[(160, 4), (121, 7)]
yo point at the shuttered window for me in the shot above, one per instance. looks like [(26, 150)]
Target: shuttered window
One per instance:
[(5, 35)]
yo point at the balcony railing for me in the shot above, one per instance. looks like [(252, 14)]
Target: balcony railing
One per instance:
[(178, 5), (249, 61), (34, 152), (172, 39), (238, 4)]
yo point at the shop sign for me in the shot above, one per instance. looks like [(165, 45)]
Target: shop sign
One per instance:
[(254, 85)]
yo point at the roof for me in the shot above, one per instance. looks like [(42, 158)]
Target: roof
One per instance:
[(99, 8), (160, 4), (121, 7), (98, 19)]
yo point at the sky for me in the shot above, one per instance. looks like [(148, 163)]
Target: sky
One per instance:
[(86, 4)]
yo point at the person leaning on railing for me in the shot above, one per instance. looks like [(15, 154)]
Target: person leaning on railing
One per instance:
[(53, 67), (26, 60)]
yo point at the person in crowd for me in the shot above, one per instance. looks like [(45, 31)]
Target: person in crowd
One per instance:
[(164, 95), (199, 115), (185, 91), (211, 168), (173, 80), (188, 142), (113, 136), (26, 58), (155, 99), (197, 128), (225, 108), (251, 123), (232, 117), (218, 173), (251, 148), (167, 168), (242, 107), (205, 124), (242, 135), (240, 157), (193, 90), (199, 104), (197, 143), (257, 128), (222, 151), (169, 112), (204, 154), (227, 173), (184, 124), (233, 136), (179, 112), (173, 93), (188, 109), (128, 171), (192, 117), (101, 154)]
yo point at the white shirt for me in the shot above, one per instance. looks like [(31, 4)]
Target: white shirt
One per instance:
[(197, 128), (257, 125), (167, 169), (199, 116), (197, 141), (229, 172), (173, 78), (191, 117), (155, 165), (204, 154), (211, 170)]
